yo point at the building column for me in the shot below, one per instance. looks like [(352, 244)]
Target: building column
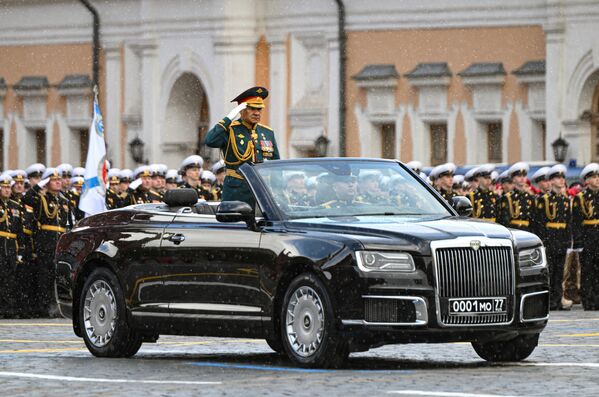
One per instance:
[(150, 92), (334, 82), (554, 85), (112, 125), (278, 92)]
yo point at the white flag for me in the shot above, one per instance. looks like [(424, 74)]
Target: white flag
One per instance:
[(94, 188)]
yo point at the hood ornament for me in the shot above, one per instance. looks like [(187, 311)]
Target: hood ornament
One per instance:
[(475, 244)]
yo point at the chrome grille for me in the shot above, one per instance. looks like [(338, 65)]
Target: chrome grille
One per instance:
[(463, 272)]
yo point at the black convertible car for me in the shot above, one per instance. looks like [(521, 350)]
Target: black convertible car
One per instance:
[(319, 269)]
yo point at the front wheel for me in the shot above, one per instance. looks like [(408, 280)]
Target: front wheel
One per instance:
[(308, 330), (516, 349), (103, 318)]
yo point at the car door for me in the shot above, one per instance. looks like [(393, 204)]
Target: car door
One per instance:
[(212, 268)]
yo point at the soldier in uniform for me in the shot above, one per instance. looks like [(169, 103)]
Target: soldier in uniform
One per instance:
[(539, 178), (553, 217), (516, 207), (11, 231), (141, 193), (113, 198), (295, 191), (171, 179), (126, 177), (191, 168), (158, 181), (242, 141), (469, 177), (458, 185), (207, 180), (345, 188), (219, 170), (34, 173), (370, 187), (585, 235), (52, 213), (442, 178), (484, 200), (76, 188)]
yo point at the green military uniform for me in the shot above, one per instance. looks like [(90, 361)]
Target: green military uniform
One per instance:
[(242, 143)]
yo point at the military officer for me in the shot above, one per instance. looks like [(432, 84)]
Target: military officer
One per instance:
[(484, 200), (126, 177), (516, 207), (295, 191), (242, 141), (141, 193), (11, 231), (158, 181), (113, 199), (76, 188), (207, 180), (191, 168), (442, 178), (539, 178), (585, 235), (345, 189), (219, 170), (34, 173), (416, 166), (79, 171), (553, 228), (171, 179), (458, 185), (370, 187), (52, 213), (505, 183), (470, 178)]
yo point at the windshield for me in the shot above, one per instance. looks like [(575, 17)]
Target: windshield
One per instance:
[(333, 188)]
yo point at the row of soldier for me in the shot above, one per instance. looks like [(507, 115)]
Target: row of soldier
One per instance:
[(565, 220), (39, 204)]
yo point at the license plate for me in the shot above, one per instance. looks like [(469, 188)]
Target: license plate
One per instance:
[(477, 306)]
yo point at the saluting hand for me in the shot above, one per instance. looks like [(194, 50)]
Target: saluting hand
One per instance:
[(236, 111)]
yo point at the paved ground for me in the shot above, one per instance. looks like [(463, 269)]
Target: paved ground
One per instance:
[(44, 358)]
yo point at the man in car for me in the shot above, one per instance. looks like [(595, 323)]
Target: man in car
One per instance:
[(345, 187), (295, 192), (242, 141)]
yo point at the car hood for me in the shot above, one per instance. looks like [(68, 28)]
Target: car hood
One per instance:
[(410, 232)]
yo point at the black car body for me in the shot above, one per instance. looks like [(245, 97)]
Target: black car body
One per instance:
[(316, 287)]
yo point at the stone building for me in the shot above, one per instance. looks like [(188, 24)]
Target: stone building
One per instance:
[(460, 81)]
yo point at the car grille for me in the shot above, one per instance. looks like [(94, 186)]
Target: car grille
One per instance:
[(463, 272), (389, 311)]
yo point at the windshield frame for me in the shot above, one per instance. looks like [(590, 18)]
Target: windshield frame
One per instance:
[(271, 210)]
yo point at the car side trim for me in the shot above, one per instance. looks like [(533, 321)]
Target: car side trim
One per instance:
[(202, 316)]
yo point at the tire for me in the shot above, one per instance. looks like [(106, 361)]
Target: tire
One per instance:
[(275, 344), (516, 349), (309, 331), (103, 317)]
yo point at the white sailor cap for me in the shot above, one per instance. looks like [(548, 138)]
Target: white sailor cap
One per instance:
[(192, 161), (469, 175), (414, 165), (126, 175), (114, 175), (79, 171), (589, 170), (520, 168), (558, 170), (540, 174), (143, 170), (77, 181), (158, 169), (65, 170), (442, 170), (494, 176), (51, 173), (171, 176), (458, 180), (219, 166), (207, 176), (5, 179), (36, 169), (504, 177), (18, 175), (484, 170)]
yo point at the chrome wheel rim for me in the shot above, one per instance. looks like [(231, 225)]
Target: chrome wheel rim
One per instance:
[(305, 321), (99, 313)]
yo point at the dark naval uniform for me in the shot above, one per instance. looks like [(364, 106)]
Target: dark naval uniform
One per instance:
[(242, 143), (448, 195), (27, 269), (585, 234), (553, 221), (516, 210), (11, 231), (138, 196), (484, 204), (52, 212), (113, 199)]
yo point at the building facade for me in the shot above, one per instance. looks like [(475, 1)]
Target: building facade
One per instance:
[(461, 81)]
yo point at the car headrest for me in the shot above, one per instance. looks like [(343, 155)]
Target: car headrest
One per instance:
[(182, 197)]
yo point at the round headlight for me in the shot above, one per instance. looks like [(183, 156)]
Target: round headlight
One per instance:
[(369, 259), (536, 256)]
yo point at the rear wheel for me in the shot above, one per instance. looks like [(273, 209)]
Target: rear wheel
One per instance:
[(308, 330), (516, 349), (103, 319)]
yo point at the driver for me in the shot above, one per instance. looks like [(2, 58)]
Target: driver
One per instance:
[(345, 188)]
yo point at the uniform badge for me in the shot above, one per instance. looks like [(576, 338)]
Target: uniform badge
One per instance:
[(241, 142), (240, 136)]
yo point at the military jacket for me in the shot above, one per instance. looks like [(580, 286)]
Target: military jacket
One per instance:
[(11, 229), (75, 197), (155, 196), (553, 217), (241, 143), (139, 196), (26, 243), (516, 210), (113, 199), (448, 195), (484, 204), (585, 217)]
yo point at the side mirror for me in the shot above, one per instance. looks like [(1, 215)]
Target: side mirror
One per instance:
[(235, 211), (462, 205)]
